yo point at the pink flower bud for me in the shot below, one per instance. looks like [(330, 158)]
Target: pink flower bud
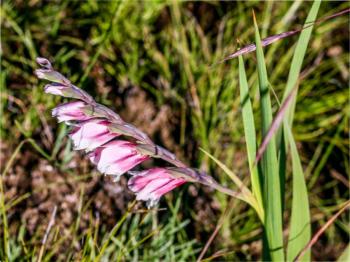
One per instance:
[(91, 134), (72, 111), (150, 185), (56, 89), (67, 91), (116, 157), (52, 76)]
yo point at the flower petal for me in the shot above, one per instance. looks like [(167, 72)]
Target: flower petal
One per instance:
[(91, 134), (152, 184), (141, 179), (72, 111), (116, 157)]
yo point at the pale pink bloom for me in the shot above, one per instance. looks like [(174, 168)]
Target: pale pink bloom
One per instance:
[(150, 185), (116, 157), (91, 134), (72, 111)]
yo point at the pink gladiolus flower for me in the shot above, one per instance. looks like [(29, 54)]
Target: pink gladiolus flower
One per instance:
[(150, 185), (91, 134), (116, 157), (72, 111), (95, 130)]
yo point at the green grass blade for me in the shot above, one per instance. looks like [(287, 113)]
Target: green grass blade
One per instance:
[(114, 231), (249, 131), (298, 57), (230, 173), (282, 163), (246, 195), (300, 231), (272, 194), (275, 125), (300, 228)]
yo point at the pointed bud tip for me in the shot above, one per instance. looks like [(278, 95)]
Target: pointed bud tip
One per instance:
[(44, 62)]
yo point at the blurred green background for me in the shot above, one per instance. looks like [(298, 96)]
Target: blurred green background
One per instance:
[(151, 62)]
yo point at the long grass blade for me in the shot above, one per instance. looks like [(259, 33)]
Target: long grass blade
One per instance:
[(300, 231), (249, 131), (272, 194), (298, 57), (300, 228)]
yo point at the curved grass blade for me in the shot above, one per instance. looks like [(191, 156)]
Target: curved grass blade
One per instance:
[(245, 194), (249, 131), (269, 164)]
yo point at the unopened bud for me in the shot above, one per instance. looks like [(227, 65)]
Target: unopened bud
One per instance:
[(44, 63), (52, 76), (61, 90)]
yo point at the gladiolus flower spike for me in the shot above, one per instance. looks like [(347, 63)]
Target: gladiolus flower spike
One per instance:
[(100, 131)]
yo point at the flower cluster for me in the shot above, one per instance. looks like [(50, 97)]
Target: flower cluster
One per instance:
[(114, 146)]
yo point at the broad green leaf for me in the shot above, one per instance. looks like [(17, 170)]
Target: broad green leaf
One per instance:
[(300, 228), (249, 131), (269, 164)]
